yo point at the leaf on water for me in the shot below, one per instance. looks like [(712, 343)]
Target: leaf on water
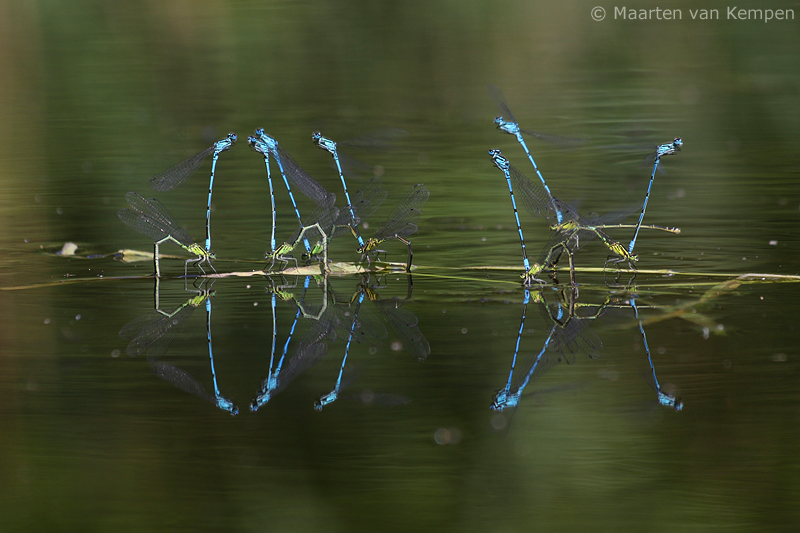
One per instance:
[(68, 249), (133, 256)]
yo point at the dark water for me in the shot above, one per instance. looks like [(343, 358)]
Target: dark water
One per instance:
[(98, 98)]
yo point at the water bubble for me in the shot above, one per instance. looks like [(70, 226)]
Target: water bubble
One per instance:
[(441, 436), (498, 422)]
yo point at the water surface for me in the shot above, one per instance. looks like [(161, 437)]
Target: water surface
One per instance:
[(99, 99)]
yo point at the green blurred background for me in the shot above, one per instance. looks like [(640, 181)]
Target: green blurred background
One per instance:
[(97, 97)]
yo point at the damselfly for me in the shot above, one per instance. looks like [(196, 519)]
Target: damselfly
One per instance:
[(400, 224), (662, 150), (508, 124), (151, 218), (291, 173), (169, 179)]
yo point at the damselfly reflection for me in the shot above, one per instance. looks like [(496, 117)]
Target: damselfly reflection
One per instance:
[(318, 320), (568, 335), (345, 318), (365, 329), (309, 349), (664, 398), (151, 334), (332, 396)]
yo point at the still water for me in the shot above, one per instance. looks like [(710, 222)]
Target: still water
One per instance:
[(447, 399)]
